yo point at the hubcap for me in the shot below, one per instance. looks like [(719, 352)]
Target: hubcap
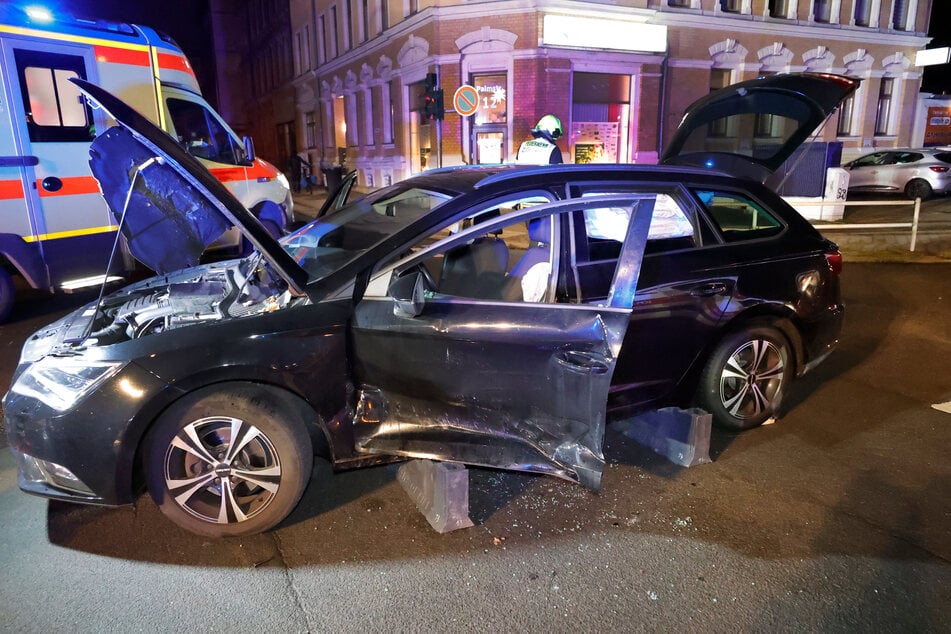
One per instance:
[(752, 379), (222, 470)]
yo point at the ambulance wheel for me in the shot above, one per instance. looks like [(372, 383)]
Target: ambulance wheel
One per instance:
[(7, 291)]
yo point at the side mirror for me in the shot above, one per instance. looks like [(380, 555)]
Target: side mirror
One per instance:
[(409, 292), (249, 155)]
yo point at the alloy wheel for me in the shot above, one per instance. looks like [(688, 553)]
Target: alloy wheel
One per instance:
[(751, 378)]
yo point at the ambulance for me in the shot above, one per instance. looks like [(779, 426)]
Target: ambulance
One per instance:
[(56, 232)]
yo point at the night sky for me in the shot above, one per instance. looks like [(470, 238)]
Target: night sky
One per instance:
[(187, 21)]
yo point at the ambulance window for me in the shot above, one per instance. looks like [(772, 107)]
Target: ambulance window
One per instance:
[(54, 106), (201, 133)]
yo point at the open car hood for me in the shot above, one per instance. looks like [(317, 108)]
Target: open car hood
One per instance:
[(173, 207), (749, 129)]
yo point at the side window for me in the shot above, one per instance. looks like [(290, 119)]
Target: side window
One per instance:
[(738, 217), (201, 133), (670, 229), (55, 109)]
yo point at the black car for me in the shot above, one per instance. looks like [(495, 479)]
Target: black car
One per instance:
[(488, 315)]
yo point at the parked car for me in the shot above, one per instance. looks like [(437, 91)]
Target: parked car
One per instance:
[(918, 173), (488, 315)]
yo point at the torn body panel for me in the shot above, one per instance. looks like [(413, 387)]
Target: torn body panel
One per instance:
[(511, 386)]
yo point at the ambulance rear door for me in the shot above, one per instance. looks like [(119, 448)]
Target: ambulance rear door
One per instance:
[(69, 222)]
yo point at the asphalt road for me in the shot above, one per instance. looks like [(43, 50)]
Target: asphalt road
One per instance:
[(835, 518)]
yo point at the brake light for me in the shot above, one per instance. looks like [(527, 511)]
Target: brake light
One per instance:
[(834, 259), (941, 169)]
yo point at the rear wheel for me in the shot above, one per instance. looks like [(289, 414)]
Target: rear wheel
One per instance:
[(7, 293), (229, 461), (918, 188), (746, 377)]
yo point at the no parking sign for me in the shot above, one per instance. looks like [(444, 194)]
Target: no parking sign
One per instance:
[(465, 100)]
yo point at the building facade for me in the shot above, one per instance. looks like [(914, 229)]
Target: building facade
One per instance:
[(619, 75)]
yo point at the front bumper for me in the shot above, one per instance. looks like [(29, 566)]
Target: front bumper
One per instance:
[(86, 453)]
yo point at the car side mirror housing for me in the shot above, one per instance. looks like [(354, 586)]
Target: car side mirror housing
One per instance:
[(248, 150), (409, 292)]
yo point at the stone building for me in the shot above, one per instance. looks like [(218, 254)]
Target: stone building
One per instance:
[(618, 75)]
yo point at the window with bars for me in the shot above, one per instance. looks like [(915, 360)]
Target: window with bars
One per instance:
[(883, 112)]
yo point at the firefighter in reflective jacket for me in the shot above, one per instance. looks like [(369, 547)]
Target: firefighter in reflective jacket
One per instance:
[(541, 148)]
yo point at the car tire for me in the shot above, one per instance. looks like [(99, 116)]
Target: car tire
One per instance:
[(197, 482), (918, 188), (7, 294), (746, 377)]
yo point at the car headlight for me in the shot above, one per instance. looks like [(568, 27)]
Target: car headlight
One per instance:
[(63, 382), (283, 180)]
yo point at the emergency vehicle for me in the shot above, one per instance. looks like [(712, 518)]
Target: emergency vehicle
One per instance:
[(56, 231)]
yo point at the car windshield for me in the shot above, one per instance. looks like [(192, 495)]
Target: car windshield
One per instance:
[(325, 245)]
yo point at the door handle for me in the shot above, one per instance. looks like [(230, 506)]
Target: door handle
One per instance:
[(583, 362), (709, 290)]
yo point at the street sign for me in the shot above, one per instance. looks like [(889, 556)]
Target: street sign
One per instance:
[(465, 100)]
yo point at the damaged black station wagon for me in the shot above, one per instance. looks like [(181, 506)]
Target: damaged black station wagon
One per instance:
[(488, 315)]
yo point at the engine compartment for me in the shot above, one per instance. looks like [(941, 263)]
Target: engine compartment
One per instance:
[(202, 294)]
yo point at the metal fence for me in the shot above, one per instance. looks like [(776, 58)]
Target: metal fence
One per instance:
[(913, 225)]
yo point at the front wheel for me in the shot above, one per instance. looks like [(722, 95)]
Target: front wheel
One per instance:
[(746, 377), (230, 460)]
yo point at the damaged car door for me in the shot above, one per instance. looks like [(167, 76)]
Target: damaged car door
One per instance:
[(471, 349)]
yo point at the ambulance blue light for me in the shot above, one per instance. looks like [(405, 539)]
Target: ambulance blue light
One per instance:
[(709, 163), (38, 14)]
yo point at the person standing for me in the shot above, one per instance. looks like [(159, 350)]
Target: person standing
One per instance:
[(541, 148)]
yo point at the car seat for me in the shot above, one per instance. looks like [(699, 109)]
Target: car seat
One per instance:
[(537, 257)]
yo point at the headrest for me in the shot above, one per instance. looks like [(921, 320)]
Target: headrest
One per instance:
[(539, 229)]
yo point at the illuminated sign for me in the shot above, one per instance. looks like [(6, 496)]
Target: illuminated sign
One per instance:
[(614, 34), (933, 56)]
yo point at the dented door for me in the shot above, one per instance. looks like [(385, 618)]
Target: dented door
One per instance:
[(509, 384)]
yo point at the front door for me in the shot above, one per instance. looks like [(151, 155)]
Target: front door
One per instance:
[(70, 221), (471, 350)]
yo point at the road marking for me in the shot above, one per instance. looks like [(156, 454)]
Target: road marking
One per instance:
[(943, 407)]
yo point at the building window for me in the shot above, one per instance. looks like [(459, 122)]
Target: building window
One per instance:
[(365, 19), (321, 40), (883, 112), (335, 50), (384, 15), (731, 6), (310, 130), (719, 78), (413, 7), (600, 116), (900, 15), (679, 3), (348, 42), (846, 111), (493, 100), (822, 11), (389, 110), (862, 12), (778, 8)]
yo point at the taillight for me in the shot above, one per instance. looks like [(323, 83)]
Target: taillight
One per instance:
[(941, 169), (834, 259)]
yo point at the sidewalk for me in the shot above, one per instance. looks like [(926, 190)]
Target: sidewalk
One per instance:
[(857, 245)]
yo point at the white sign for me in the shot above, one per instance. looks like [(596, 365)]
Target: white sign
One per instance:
[(602, 33), (933, 56)]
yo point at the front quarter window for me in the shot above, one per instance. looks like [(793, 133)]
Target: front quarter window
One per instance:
[(201, 133)]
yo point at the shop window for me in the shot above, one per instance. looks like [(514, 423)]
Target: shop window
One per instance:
[(493, 98), (883, 112), (862, 12), (600, 115)]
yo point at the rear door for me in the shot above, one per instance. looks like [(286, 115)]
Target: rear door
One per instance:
[(69, 220), (473, 351)]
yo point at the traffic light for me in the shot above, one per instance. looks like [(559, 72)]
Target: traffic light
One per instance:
[(433, 108)]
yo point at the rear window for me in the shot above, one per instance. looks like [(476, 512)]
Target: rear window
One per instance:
[(738, 217), (943, 156)]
